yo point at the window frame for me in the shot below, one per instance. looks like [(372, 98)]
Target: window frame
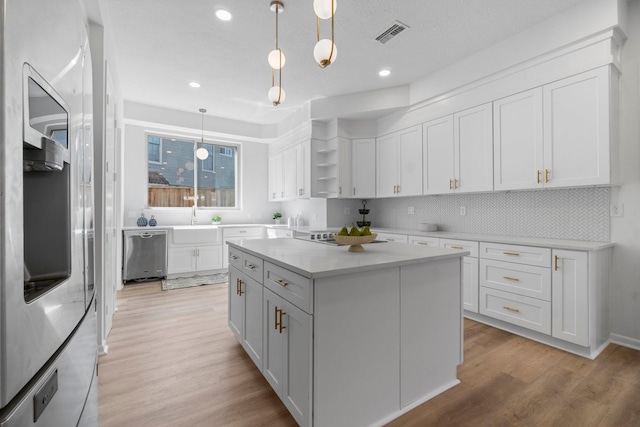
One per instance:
[(159, 162)]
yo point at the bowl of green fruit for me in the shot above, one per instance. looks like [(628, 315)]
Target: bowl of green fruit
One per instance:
[(355, 238)]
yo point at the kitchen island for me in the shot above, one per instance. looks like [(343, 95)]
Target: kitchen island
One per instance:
[(348, 338)]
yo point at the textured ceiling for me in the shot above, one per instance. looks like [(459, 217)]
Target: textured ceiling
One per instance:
[(162, 45)]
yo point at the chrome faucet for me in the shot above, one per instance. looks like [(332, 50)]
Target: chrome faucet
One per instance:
[(194, 218)]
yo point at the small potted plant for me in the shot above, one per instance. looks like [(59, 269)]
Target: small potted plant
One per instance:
[(216, 219), (277, 216)]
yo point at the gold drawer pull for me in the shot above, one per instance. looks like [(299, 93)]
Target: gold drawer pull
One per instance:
[(450, 184), (515, 310), (546, 175), (457, 247), (281, 283), (278, 319), (423, 243), (251, 266), (555, 263), (538, 176), (515, 279), (511, 253)]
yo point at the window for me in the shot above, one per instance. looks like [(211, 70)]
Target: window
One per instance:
[(177, 178), (154, 148)]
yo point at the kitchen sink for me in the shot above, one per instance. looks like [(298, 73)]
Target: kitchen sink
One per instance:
[(189, 234)]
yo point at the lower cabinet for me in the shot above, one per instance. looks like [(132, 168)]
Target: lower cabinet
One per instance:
[(469, 271), (194, 259), (245, 313), (570, 296), (287, 354)]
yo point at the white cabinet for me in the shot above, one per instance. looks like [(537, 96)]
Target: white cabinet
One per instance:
[(279, 233), (518, 141), (194, 259), (363, 163), (245, 313), (577, 130), (287, 354), (457, 152), (399, 163), (289, 173), (345, 167), (570, 297), (469, 271), (331, 165), (392, 237), (433, 242)]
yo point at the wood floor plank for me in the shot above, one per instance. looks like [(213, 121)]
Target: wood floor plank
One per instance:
[(174, 362)]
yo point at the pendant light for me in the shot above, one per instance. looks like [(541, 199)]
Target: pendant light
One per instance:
[(325, 51), (276, 61), (202, 153)]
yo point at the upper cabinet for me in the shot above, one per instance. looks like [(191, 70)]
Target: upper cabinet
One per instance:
[(457, 152), (577, 130), (399, 163), (363, 163), (289, 174), (557, 135)]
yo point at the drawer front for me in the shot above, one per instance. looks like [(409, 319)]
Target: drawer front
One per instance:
[(239, 233), (529, 255), (235, 258), (461, 245), (390, 237), (289, 285), (253, 267), (521, 279), (523, 311), (432, 242)]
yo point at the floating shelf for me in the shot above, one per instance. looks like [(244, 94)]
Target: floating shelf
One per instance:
[(326, 178), (326, 165), (326, 150)]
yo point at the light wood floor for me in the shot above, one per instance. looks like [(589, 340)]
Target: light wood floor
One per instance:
[(173, 362)]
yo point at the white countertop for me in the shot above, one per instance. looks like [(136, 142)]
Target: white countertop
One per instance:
[(577, 245), (316, 260)]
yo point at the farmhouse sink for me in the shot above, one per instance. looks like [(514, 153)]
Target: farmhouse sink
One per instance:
[(196, 234)]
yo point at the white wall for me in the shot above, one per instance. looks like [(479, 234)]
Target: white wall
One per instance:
[(625, 231)]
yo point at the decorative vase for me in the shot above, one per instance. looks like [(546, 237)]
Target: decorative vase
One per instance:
[(142, 221), (152, 222), (277, 220)]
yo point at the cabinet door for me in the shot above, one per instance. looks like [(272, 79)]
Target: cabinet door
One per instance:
[(181, 260), (437, 156), (253, 318), (344, 167), (576, 130), (209, 257), (289, 168), (473, 149), (303, 165), (387, 177), (410, 162), (236, 304), (364, 168), (517, 150), (570, 297), (276, 192), (273, 341), (470, 284)]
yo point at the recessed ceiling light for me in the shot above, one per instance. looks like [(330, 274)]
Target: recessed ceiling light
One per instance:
[(194, 84), (384, 73), (223, 15)]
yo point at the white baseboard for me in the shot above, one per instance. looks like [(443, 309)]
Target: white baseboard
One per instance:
[(625, 341)]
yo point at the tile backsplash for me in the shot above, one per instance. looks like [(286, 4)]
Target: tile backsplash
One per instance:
[(574, 214)]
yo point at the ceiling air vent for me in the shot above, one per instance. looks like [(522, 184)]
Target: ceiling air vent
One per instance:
[(395, 29)]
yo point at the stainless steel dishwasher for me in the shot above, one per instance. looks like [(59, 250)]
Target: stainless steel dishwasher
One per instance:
[(144, 254)]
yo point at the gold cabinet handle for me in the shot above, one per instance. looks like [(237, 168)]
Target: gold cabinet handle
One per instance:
[(340, 190), (354, 191), (278, 313), (398, 189), (515, 279), (538, 176), (511, 253), (555, 263), (423, 243), (281, 283), (237, 286), (546, 175), (515, 310), (455, 184), (251, 267), (457, 247), (240, 291), (450, 184)]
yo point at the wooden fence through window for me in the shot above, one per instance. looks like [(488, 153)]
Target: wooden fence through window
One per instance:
[(178, 197)]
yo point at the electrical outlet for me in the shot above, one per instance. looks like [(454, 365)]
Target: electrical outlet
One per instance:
[(616, 209), (411, 210), (463, 210), (347, 210)]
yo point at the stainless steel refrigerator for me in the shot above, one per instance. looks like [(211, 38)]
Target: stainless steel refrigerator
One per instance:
[(48, 346)]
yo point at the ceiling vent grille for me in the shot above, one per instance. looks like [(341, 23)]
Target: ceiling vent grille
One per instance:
[(395, 29)]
